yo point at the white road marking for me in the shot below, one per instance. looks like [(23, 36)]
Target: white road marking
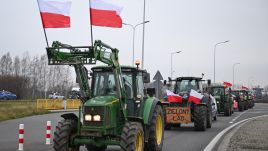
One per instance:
[(235, 118), (214, 141)]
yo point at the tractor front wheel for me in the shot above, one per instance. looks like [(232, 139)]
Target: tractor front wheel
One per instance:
[(64, 130), (132, 137), (156, 130), (95, 148), (200, 118)]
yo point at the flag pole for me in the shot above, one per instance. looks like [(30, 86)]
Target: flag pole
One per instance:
[(42, 24), (91, 31), (45, 36)]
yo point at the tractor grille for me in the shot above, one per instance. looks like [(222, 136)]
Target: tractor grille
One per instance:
[(94, 110)]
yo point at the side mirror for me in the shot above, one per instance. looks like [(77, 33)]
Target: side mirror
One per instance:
[(209, 82), (146, 77), (151, 92)]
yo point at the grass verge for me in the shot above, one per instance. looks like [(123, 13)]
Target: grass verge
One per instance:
[(17, 109)]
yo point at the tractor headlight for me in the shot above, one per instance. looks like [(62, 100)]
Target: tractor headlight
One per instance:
[(88, 117), (218, 102), (96, 118)]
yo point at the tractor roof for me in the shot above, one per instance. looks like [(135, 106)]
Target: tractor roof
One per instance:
[(188, 78), (123, 68)]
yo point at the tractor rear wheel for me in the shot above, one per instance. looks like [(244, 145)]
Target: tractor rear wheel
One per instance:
[(227, 110), (132, 137), (241, 106), (200, 118), (95, 148), (156, 130), (167, 126), (209, 115), (246, 106), (64, 130)]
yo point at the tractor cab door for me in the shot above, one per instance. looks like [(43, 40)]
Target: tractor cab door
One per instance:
[(134, 91)]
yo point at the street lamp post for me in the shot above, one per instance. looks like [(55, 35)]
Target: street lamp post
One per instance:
[(143, 34), (133, 40), (234, 72), (171, 72), (215, 54)]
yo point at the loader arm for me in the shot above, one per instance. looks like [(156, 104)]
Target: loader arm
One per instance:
[(63, 54)]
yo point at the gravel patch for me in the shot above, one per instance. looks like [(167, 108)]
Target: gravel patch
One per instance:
[(252, 136)]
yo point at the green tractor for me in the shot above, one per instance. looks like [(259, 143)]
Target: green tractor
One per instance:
[(116, 109), (248, 98), (185, 111), (224, 100)]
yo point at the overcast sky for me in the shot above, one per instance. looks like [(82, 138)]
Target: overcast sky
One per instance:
[(190, 26)]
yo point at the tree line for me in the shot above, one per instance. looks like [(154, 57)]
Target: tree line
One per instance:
[(31, 77)]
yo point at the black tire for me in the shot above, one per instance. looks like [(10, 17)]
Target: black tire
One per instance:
[(200, 118), (95, 148), (241, 106), (130, 133), (155, 143), (246, 106), (62, 134), (215, 117), (209, 115), (167, 126), (227, 110)]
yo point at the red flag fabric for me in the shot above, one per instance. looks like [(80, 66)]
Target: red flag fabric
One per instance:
[(244, 88), (55, 13), (173, 97), (195, 97), (227, 84), (105, 14)]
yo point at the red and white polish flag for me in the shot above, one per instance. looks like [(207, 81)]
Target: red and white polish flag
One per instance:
[(173, 97), (105, 14), (55, 13), (195, 97)]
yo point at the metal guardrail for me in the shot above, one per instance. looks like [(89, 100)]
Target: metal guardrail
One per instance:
[(57, 104)]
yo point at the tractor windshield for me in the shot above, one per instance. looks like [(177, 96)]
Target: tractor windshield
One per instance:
[(186, 85), (217, 91), (104, 84)]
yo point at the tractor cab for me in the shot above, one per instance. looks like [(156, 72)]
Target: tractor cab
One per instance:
[(104, 84), (185, 84), (224, 100)]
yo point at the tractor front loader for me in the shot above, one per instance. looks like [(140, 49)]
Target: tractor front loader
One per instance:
[(116, 109)]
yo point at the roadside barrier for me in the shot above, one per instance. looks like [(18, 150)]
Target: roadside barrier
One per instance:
[(21, 137), (48, 133), (58, 104)]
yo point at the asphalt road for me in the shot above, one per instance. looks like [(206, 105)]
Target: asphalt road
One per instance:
[(184, 138)]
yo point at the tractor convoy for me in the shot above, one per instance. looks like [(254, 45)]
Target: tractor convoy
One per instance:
[(118, 109)]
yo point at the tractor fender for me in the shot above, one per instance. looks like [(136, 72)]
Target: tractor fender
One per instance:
[(70, 116), (148, 110)]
